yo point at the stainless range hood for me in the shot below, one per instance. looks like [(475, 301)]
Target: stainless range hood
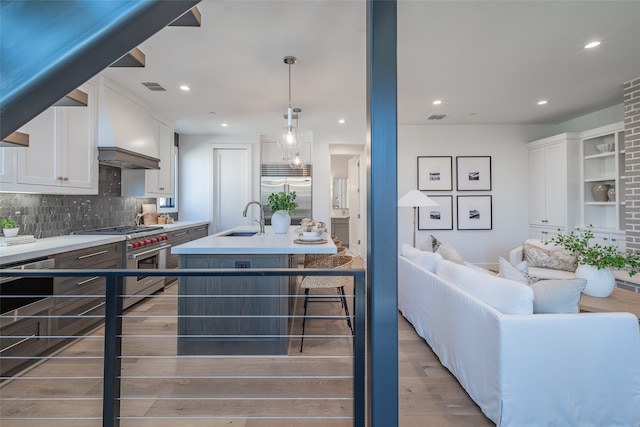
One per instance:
[(125, 159)]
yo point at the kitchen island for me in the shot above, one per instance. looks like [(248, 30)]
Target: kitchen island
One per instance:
[(239, 315)]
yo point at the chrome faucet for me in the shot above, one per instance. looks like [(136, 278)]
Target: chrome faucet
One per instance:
[(261, 220)]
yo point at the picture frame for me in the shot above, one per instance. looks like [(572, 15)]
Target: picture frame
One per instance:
[(435, 173), (475, 212), (473, 173), (436, 217)]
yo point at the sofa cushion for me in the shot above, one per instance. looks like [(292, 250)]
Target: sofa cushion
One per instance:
[(557, 296), (556, 259), (424, 259), (507, 296)]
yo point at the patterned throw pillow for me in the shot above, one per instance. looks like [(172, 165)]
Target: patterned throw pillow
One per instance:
[(431, 244), (555, 259)]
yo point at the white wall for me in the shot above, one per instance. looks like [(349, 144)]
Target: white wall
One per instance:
[(196, 170), (506, 146)]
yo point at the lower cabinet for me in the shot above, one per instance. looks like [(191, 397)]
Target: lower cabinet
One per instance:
[(178, 237), (23, 339), (79, 301), (543, 233)]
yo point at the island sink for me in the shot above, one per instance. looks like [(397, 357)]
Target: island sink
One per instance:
[(239, 234)]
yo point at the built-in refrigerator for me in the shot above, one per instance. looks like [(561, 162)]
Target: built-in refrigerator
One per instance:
[(276, 178)]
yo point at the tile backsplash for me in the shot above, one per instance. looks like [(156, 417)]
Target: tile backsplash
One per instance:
[(47, 215)]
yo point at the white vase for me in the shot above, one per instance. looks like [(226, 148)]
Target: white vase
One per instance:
[(600, 283), (10, 232), (281, 221)]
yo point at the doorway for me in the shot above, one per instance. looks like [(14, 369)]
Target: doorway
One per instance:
[(231, 186)]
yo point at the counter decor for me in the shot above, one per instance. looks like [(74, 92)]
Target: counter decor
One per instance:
[(282, 205), (9, 227)]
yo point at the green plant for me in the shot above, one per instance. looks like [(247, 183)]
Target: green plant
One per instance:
[(8, 223), (600, 256), (283, 202)]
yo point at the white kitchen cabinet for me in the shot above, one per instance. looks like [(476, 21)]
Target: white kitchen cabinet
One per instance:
[(62, 155), (7, 165), (542, 233), (153, 182), (604, 166), (554, 183)]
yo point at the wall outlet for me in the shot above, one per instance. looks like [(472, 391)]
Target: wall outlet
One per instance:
[(243, 264)]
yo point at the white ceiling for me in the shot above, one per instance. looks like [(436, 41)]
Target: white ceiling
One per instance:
[(489, 62)]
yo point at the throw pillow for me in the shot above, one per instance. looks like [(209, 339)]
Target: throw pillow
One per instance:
[(555, 259), (449, 253), (519, 273), (431, 244), (557, 296)]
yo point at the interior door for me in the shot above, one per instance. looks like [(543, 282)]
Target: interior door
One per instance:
[(232, 180)]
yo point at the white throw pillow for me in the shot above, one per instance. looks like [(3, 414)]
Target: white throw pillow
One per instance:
[(557, 296), (507, 296), (424, 259), (519, 273), (449, 253)]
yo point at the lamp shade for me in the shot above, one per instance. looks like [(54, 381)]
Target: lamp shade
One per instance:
[(415, 198)]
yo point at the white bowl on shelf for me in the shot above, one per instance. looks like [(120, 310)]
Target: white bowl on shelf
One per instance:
[(606, 148)]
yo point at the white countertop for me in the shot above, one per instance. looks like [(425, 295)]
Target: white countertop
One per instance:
[(268, 243), (53, 245)]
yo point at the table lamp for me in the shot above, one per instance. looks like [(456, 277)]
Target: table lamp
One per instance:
[(414, 199)]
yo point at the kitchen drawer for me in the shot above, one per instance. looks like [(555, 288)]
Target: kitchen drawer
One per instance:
[(70, 316), (81, 285), (24, 338), (90, 257)]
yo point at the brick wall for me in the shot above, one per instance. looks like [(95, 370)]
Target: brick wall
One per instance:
[(632, 168)]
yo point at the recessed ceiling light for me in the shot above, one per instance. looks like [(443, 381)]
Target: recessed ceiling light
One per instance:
[(542, 102), (592, 44), (342, 121), (437, 102), (224, 125), (185, 88)]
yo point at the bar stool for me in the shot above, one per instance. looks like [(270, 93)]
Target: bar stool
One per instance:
[(327, 282)]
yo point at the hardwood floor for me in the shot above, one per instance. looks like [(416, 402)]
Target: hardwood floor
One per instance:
[(160, 389)]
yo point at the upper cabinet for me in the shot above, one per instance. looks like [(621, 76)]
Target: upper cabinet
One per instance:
[(602, 152), (153, 182), (554, 171), (61, 157)]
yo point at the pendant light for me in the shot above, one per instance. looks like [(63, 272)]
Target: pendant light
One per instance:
[(287, 138), (296, 161)]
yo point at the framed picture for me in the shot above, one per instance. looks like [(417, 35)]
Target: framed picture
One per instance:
[(434, 173), (474, 213), (436, 217), (474, 173)]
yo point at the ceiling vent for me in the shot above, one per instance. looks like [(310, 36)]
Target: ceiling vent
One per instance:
[(154, 87), (436, 117)]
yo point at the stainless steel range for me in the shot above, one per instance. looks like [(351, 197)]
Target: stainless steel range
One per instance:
[(146, 249)]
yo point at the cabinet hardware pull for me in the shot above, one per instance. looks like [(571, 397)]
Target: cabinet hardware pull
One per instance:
[(66, 178), (60, 178), (91, 309), (93, 254), (180, 234), (605, 238), (614, 240), (84, 282), (17, 343)]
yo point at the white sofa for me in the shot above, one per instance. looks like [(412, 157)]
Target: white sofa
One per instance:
[(517, 255), (522, 369)]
